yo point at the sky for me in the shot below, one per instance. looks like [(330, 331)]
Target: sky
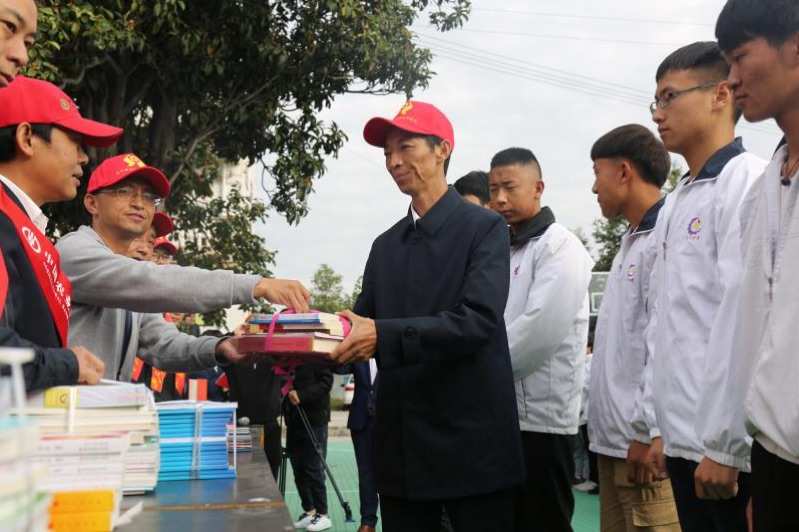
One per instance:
[(550, 75)]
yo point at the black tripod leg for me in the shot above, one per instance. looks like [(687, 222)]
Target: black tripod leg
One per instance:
[(344, 504)]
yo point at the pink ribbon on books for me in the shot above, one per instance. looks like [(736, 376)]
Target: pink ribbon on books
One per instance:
[(287, 369)]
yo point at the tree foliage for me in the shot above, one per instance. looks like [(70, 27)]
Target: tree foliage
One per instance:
[(327, 291), (204, 83)]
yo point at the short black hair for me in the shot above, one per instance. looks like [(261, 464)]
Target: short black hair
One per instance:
[(741, 21), (638, 145), (703, 55), (8, 139), (511, 156), (476, 184), (433, 141)]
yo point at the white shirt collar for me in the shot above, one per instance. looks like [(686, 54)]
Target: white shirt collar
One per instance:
[(31, 209), (414, 214)]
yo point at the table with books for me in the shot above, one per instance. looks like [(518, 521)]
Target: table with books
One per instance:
[(251, 501)]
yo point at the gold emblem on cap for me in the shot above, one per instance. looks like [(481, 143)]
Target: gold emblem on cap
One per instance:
[(64, 104), (406, 108), (131, 160)]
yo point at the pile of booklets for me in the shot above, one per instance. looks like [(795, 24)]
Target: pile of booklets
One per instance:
[(240, 441), (194, 440), (309, 337), (23, 505), (95, 432)]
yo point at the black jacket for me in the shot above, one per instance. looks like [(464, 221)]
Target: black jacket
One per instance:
[(446, 424), (26, 320), (313, 385)]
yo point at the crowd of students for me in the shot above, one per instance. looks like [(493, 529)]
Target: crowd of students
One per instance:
[(477, 315)]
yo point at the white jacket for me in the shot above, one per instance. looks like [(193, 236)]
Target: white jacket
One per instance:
[(695, 285), (547, 321), (619, 347), (759, 389)]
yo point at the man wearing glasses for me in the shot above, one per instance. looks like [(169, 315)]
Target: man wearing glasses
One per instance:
[(694, 286), (113, 295)]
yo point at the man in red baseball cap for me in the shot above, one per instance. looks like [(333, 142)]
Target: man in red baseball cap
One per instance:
[(145, 246), (431, 313), (112, 290), (41, 161), (17, 33)]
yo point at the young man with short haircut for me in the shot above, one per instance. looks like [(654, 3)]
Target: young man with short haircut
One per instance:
[(114, 294), (630, 168), (473, 187), (547, 323), (757, 392), (695, 284), (41, 162)]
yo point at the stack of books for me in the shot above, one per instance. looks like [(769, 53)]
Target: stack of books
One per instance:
[(194, 440), (83, 510), (23, 504), (240, 441), (309, 337), (80, 419)]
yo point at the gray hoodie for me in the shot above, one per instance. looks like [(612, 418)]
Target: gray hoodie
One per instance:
[(105, 285)]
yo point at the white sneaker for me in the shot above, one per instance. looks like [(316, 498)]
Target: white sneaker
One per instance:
[(319, 522), (304, 519), (586, 486)]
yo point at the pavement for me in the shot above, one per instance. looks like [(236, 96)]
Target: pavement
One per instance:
[(341, 459)]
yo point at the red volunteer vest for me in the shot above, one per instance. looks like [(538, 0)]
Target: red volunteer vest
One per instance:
[(45, 262)]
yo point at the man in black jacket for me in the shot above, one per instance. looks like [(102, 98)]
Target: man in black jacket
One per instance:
[(41, 160), (434, 292), (311, 393)]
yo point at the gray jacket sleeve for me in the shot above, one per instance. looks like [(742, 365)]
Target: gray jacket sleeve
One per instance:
[(163, 346), (102, 278)]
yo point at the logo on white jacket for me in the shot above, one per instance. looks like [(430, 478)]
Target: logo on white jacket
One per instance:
[(694, 228), (631, 270)]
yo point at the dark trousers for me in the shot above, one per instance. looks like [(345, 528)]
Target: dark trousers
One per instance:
[(545, 501), (272, 436), (480, 513), (309, 473), (699, 515), (774, 492), (363, 443)]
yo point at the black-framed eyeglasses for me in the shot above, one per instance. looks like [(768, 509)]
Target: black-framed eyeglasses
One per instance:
[(664, 101), (128, 193)]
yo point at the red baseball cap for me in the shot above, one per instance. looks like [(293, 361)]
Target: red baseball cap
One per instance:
[(40, 102), (162, 223), (414, 117), (121, 167), (163, 242)]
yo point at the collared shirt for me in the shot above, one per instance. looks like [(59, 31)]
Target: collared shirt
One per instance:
[(619, 343), (414, 215), (694, 287), (547, 320), (758, 393), (31, 209)]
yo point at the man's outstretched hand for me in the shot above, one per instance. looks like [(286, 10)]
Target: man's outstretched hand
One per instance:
[(285, 292), (361, 343)]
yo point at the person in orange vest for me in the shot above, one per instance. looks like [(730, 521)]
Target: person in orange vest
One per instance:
[(41, 161)]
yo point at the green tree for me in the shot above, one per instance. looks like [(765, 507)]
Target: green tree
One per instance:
[(327, 292), (198, 83), (349, 302), (607, 233)]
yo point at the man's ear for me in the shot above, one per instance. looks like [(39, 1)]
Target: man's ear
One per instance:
[(90, 202), (444, 150), (24, 139), (539, 188), (625, 172)]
